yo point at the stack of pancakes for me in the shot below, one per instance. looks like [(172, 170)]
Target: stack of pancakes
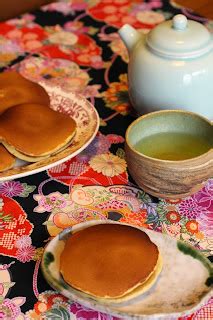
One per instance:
[(29, 129), (112, 263)]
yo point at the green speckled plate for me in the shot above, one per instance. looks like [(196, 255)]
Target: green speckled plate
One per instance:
[(184, 285)]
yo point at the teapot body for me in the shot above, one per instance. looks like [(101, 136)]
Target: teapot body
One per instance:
[(157, 83)]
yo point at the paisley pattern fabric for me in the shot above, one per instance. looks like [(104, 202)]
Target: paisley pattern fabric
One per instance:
[(75, 44)]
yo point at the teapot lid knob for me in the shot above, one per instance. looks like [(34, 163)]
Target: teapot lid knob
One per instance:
[(179, 22)]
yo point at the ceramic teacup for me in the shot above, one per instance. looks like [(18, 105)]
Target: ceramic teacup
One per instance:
[(169, 178)]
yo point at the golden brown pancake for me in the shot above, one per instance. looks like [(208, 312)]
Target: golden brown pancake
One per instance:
[(35, 130), (27, 158), (136, 292), (108, 260), (140, 289), (7, 160), (15, 89)]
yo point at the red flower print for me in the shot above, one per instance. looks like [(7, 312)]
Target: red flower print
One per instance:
[(5, 28), (192, 226), (25, 254), (56, 298), (29, 38), (118, 12), (13, 225), (173, 216), (100, 145), (84, 50)]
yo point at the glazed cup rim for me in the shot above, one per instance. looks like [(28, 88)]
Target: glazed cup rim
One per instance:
[(152, 114)]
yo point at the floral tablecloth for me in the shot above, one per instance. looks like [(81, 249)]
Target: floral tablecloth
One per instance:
[(75, 44)]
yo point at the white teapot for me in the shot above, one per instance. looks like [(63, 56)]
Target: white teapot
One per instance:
[(171, 67)]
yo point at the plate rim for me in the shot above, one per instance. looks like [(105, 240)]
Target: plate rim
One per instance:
[(107, 309)]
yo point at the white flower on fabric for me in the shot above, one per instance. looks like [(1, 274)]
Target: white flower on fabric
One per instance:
[(150, 17), (64, 38), (108, 164), (23, 241)]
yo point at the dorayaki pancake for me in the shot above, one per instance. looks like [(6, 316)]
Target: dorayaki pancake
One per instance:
[(135, 293), (7, 160), (108, 260), (35, 130), (27, 158), (140, 289), (15, 89)]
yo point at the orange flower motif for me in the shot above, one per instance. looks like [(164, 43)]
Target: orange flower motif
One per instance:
[(199, 235), (41, 307), (135, 218), (192, 226), (173, 216), (116, 96), (55, 298), (47, 303)]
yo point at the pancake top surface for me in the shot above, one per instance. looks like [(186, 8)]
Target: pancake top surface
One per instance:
[(108, 260), (6, 159), (35, 129), (15, 89)]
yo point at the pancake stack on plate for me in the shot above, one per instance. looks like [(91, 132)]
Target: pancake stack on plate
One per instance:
[(111, 263), (29, 129)]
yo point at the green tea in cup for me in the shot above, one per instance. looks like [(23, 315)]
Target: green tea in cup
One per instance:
[(169, 153), (173, 145), (172, 135)]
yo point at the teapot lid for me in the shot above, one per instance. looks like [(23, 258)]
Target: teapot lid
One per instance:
[(180, 38)]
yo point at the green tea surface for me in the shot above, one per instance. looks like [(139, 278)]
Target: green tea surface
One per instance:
[(173, 146)]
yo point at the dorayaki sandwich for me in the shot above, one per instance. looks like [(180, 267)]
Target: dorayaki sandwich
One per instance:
[(15, 89), (110, 262), (29, 129), (33, 132)]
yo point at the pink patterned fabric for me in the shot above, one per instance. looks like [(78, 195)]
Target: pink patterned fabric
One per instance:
[(75, 45)]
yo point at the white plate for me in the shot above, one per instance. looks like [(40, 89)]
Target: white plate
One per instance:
[(87, 119), (180, 289)]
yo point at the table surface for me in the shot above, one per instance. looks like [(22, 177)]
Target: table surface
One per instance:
[(203, 7), (35, 208)]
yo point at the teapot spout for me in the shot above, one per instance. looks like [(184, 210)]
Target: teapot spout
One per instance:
[(129, 35)]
